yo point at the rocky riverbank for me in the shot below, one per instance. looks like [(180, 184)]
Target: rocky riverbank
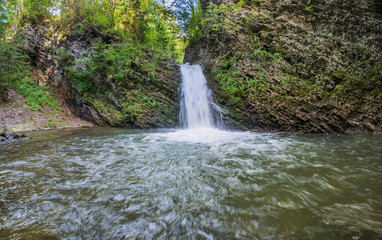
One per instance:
[(16, 116)]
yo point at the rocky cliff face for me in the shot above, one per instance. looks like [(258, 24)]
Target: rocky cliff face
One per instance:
[(54, 53), (291, 65)]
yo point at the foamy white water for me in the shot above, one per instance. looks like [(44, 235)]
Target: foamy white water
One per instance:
[(203, 135), (195, 109)]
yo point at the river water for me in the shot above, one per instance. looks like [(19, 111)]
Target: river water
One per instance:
[(190, 184)]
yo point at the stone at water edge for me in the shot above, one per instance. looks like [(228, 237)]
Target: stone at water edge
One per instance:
[(18, 136), (4, 135), (3, 131)]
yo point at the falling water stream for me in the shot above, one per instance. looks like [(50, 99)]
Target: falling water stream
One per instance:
[(196, 99), (192, 183)]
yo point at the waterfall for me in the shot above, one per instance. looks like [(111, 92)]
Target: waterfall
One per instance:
[(196, 106)]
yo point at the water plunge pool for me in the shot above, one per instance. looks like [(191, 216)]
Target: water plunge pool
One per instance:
[(190, 184)]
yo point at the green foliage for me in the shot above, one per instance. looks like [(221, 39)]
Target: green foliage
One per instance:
[(146, 22), (3, 18), (51, 123), (265, 57), (97, 13), (194, 25), (120, 61), (309, 8), (127, 72), (36, 96), (183, 11), (220, 17), (15, 73), (162, 33), (357, 78), (37, 10), (228, 79), (235, 85), (136, 105), (119, 74), (239, 3)]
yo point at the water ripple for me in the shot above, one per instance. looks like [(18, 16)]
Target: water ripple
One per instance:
[(209, 184)]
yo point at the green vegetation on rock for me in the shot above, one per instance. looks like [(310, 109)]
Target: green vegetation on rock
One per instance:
[(111, 62), (15, 72), (290, 66)]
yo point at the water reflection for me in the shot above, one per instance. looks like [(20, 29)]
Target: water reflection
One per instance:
[(122, 184)]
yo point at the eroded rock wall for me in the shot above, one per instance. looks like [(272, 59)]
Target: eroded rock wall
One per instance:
[(53, 52), (292, 65)]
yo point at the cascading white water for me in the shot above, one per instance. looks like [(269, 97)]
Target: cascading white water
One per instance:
[(196, 103)]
